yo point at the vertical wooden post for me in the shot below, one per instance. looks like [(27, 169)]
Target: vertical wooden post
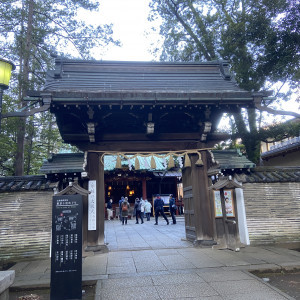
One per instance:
[(95, 238), (144, 187), (201, 206)]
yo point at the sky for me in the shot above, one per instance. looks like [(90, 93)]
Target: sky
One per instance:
[(130, 24)]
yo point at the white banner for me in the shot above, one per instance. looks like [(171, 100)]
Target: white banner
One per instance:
[(92, 215)]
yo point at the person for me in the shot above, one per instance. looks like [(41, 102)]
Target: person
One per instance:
[(124, 210), (142, 208), (159, 209), (173, 208), (120, 207), (109, 209), (148, 207), (138, 211)]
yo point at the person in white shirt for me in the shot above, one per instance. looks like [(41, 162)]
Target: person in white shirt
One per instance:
[(148, 207)]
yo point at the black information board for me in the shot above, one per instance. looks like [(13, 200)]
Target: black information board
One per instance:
[(66, 248)]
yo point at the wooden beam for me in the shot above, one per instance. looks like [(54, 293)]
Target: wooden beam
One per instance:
[(95, 238)]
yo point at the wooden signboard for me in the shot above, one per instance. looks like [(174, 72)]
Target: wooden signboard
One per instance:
[(217, 203), (229, 204), (66, 248)]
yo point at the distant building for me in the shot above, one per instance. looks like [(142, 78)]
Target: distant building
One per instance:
[(282, 153)]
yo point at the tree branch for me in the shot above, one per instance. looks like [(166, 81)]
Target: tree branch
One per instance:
[(68, 36), (276, 112), (202, 27), (189, 31)]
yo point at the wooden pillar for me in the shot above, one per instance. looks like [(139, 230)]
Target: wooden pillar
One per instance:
[(95, 238), (199, 221), (144, 187)]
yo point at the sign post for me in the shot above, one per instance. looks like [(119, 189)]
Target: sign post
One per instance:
[(66, 248)]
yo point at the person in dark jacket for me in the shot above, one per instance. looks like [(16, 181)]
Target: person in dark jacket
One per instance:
[(138, 211), (173, 208), (109, 209), (159, 209), (120, 207)]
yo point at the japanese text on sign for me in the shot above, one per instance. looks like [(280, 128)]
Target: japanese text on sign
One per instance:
[(92, 206)]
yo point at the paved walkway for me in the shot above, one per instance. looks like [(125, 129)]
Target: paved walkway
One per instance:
[(156, 262), (145, 236)]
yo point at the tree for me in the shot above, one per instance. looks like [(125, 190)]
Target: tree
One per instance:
[(260, 38), (30, 30)]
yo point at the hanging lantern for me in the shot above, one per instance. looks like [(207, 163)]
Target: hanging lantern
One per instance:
[(153, 163), (199, 162), (171, 163), (187, 161), (119, 163), (137, 164), (5, 72)]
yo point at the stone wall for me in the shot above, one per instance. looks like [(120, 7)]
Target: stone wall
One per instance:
[(273, 212), (25, 225)]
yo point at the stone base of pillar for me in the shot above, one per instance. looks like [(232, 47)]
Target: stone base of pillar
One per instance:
[(223, 245), (6, 280), (98, 248), (204, 243)]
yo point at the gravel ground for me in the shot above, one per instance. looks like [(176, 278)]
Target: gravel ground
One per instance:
[(287, 282), (44, 294)]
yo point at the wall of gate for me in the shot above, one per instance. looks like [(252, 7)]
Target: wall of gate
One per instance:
[(25, 225), (273, 212)]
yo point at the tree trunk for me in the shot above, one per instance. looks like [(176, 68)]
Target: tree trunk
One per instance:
[(249, 138), (24, 83), (19, 160)]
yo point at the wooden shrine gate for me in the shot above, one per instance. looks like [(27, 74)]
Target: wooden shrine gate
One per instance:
[(111, 107), (199, 225)]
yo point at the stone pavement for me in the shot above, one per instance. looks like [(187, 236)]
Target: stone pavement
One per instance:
[(156, 262)]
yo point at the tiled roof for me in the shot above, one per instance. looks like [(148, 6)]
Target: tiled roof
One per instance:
[(73, 162), (63, 163), (246, 171), (231, 159), (139, 76), (25, 183), (142, 81), (281, 148), (225, 160), (270, 174), (40, 182)]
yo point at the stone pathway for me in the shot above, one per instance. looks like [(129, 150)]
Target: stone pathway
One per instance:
[(156, 262)]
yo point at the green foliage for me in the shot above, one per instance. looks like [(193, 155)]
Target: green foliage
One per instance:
[(30, 31), (279, 132), (8, 139), (260, 39)]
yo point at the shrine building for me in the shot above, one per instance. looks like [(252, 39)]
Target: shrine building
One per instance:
[(164, 110)]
